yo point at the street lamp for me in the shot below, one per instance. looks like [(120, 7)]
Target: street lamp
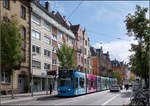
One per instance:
[(46, 82), (34, 54)]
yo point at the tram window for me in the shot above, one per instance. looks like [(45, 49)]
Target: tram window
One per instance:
[(65, 82), (82, 82), (76, 83), (91, 83)]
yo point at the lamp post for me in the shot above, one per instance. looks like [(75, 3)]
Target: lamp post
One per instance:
[(32, 74), (46, 82)]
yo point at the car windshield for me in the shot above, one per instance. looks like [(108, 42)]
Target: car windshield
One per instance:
[(115, 85), (65, 82)]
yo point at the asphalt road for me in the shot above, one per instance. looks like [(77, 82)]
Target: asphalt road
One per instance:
[(98, 98)]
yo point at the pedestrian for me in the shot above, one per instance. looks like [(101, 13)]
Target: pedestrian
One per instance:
[(126, 86), (50, 89)]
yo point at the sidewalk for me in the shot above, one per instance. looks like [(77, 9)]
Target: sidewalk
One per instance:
[(25, 97)]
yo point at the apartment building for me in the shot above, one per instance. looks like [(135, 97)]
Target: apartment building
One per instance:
[(87, 53), (19, 9), (49, 31), (101, 63), (79, 45), (104, 62), (120, 67), (95, 61)]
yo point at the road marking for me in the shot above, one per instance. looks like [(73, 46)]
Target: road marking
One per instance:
[(110, 100)]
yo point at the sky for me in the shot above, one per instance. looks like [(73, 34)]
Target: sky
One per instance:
[(104, 22)]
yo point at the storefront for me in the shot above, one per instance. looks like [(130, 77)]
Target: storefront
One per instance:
[(40, 83)]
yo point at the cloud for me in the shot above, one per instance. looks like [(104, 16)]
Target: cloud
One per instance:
[(117, 49)]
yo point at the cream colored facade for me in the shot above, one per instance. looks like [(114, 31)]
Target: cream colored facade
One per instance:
[(87, 53), (40, 74), (20, 77), (43, 45)]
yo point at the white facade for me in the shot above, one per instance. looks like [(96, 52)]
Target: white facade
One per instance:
[(41, 45)]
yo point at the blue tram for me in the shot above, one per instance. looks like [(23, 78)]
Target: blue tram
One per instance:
[(72, 83)]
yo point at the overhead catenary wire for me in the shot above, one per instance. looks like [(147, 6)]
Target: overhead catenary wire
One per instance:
[(75, 9)]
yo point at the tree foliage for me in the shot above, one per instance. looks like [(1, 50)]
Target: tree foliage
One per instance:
[(131, 79), (116, 74), (138, 26), (10, 44), (66, 57)]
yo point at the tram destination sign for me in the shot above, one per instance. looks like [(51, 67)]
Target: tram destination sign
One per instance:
[(65, 73)]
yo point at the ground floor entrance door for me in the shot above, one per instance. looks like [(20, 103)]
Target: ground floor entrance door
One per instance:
[(21, 84)]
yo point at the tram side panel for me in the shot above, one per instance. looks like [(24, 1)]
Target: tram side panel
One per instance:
[(98, 83), (91, 83), (80, 87)]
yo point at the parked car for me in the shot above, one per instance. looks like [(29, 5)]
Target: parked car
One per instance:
[(115, 87)]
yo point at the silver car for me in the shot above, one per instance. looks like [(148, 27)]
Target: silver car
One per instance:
[(115, 87)]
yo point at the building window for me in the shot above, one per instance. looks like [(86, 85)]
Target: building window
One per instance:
[(85, 51), (54, 37), (23, 33), (35, 49), (36, 64), (54, 49), (47, 25), (35, 34), (23, 45), (46, 53), (60, 34), (14, 1), (86, 42), (46, 39), (54, 61), (36, 19), (70, 41), (46, 66), (5, 77), (59, 45), (85, 61), (79, 57), (23, 12), (6, 4), (23, 53)]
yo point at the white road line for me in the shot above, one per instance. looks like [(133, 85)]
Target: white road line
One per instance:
[(110, 99)]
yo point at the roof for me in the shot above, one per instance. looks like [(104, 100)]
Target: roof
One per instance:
[(93, 51), (75, 28), (57, 17), (116, 63)]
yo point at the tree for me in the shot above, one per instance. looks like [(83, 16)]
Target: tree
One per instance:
[(66, 57), (131, 79), (116, 74), (138, 26), (11, 56), (10, 44)]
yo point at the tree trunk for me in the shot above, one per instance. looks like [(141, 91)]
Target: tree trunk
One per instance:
[(12, 89), (146, 82), (0, 83)]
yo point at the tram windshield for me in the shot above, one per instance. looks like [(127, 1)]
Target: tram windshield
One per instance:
[(65, 82)]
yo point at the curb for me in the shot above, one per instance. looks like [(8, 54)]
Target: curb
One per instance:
[(27, 99)]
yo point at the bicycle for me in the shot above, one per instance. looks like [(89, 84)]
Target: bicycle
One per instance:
[(139, 97)]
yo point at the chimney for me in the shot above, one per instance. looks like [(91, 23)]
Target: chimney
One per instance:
[(47, 6), (64, 18), (53, 12)]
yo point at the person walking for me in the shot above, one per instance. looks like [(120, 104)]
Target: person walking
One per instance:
[(50, 89)]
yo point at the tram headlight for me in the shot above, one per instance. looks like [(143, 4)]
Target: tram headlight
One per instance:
[(69, 89)]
